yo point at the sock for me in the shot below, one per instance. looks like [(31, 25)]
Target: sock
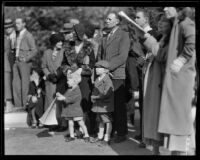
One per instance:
[(106, 137), (72, 135), (101, 133)]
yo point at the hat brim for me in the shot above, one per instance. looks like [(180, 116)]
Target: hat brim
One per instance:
[(65, 31), (8, 26), (99, 66)]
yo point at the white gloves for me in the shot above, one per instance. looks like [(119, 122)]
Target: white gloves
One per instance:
[(177, 64)]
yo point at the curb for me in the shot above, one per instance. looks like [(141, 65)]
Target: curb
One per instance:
[(15, 119)]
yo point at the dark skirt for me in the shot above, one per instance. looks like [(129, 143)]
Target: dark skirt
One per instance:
[(86, 89), (39, 110)]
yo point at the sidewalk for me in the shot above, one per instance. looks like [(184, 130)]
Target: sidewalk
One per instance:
[(22, 140), (15, 119)]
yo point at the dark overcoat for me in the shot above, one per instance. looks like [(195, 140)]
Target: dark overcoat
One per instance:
[(115, 51), (50, 66)]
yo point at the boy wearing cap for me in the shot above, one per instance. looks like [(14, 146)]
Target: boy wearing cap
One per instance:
[(103, 101)]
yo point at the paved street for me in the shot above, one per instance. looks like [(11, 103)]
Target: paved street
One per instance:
[(21, 140)]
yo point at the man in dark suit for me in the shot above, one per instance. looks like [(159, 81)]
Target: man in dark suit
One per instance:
[(25, 52), (114, 49)]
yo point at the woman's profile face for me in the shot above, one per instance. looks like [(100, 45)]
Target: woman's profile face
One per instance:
[(164, 26), (59, 45)]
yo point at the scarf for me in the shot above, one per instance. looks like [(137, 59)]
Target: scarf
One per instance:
[(18, 41), (173, 44)]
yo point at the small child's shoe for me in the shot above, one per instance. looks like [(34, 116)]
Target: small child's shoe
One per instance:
[(40, 125), (69, 139), (34, 125), (95, 140)]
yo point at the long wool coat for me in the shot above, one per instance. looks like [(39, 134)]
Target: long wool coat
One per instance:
[(152, 97), (115, 51), (72, 107), (50, 66), (7, 50), (178, 88)]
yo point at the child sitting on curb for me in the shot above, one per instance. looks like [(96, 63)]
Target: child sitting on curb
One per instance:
[(73, 111), (35, 99), (103, 101)]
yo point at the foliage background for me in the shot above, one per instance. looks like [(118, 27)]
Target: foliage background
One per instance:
[(41, 21)]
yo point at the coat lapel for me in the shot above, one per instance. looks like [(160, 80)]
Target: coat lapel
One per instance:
[(104, 42), (99, 83), (115, 35), (24, 35), (23, 39)]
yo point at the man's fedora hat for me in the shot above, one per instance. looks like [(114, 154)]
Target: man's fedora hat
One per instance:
[(68, 27), (8, 23)]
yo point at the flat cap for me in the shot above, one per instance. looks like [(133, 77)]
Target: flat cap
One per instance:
[(102, 64)]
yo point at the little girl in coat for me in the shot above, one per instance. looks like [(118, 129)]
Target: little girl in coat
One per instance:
[(72, 111)]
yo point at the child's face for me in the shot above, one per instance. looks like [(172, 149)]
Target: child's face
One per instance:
[(100, 71)]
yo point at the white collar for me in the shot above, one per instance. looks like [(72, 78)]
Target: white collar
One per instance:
[(13, 34), (22, 31), (101, 77), (78, 48), (114, 30)]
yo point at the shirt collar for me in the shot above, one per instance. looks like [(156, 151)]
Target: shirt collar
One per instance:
[(114, 30), (22, 31)]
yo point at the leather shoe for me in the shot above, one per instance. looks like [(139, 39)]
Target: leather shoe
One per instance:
[(69, 139), (95, 140), (86, 139)]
